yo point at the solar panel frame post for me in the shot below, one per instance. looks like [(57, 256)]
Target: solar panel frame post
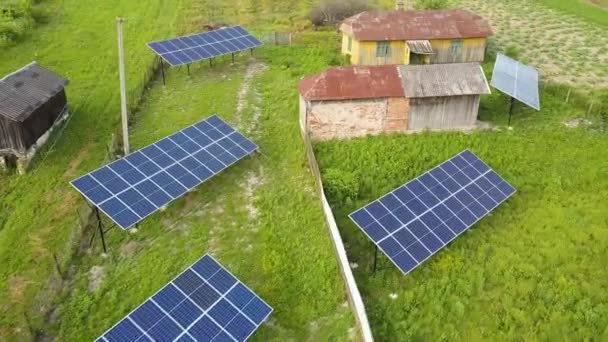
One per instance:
[(517, 80), (416, 220), (204, 302), (131, 188)]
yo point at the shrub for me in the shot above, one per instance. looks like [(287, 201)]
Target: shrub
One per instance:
[(332, 12), (340, 186), (15, 19), (433, 4)]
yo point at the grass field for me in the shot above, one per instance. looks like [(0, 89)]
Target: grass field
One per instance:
[(261, 218), (39, 210), (594, 11), (533, 269), (566, 48)]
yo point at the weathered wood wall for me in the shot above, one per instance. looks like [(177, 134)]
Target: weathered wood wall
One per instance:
[(364, 53), (446, 51), (18, 137), (458, 50), (443, 113)]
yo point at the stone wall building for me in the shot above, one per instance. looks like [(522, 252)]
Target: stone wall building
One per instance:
[(354, 101)]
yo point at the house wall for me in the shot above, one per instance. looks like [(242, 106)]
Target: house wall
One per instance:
[(354, 118), (364, 53), (470, 50), (443, 113), (397, 113)]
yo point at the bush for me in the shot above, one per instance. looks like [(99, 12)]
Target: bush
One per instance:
[(15, 19), (340, 186), (332, 12), (433, 4)]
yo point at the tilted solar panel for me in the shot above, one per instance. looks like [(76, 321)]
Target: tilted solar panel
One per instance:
[(200, 46), (206, 302), (517, 80), (421, 217), (133, 187)]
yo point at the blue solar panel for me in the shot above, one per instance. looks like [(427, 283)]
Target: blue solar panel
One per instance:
[(516, 80), (200, 46), (205, 302), (133, 187), (416, 220)]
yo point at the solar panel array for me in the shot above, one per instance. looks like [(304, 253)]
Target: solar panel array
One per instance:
[(204, 303), (131, 188), (200, 46), (517, 80), (416, 220)]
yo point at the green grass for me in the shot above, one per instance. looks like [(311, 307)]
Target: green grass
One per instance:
[(39, 209), (272, 250), (585, 9), (533, 269)]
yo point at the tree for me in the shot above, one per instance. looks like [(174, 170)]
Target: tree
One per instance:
[(332, 12)]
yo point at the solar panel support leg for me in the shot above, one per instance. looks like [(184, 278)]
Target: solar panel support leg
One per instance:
[(188, 69), (162, 69), (233, 58), (511, 110), (100, 227), (251, 51), (375, 259)]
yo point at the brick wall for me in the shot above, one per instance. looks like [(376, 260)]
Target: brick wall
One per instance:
[(346, 119), (397, 114)]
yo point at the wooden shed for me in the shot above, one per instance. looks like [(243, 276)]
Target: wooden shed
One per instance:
[(414, 37), (354, 101), (32, 101)]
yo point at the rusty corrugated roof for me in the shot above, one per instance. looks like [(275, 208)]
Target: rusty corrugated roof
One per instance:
[(411, 81), (421, 47), (352, 82), (415, 25), (454, 79), (26, 89)]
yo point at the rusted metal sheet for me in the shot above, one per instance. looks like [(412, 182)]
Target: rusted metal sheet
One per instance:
[(26, 90), (421, 47), (443, 80), (415, 25), (353, 82)]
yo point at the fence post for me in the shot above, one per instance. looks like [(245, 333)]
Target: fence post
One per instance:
[(590, 107), (568, 95)]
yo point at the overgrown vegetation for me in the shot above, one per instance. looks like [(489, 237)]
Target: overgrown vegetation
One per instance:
[(333, 12), (434, 4), (15, 19), (518, 273), (261, 218)]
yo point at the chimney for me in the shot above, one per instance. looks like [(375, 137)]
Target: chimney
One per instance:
[(400, 5)]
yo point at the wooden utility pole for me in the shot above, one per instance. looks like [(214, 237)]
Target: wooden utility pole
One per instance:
[(123, 88)]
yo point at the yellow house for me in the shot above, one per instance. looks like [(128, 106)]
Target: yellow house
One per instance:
[(414, 37)]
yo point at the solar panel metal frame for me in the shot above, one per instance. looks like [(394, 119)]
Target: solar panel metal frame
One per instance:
[(81, 185), (453, 188), (201, 46), (188, 297), (517, 80)]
